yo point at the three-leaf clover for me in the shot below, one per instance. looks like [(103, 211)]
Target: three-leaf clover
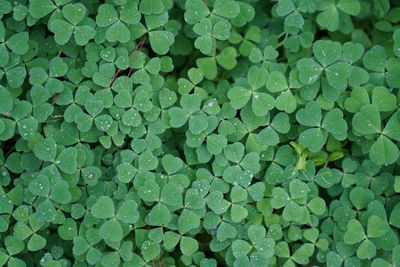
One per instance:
[(74, 22), (311, 116), (117, 24), (368, 122), (240, 94), (328, 55)]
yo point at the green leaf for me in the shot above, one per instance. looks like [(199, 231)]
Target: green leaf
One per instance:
[(171, 164), (360, 197), (262, 103), (142, 101), (195, 11), (63, 31), (126, 172), (383, 151), (178, 117), (337, 75), (293, 212), (375, 58), (131, 118), (285, 7), (13, 245), (36, 242), (256, 233), (279, 198), (355, 232), (376, 227), (94, 107), (221, 30), (74, 13), (46, 150), (46, 211), (327, 52), (276, 82), (216, 143), (111, 230), (150, 191), (239, 97), (83, 34), (103, 208), (268, 136), (226, 231), (396, 46), (227, 58), (128, 212), (351, 7), (334, 123), (317, 206), (27, 127), (66, 160), (367, 120), (147, 161), (160, 41), (18, 43), (6, 103), (171, 239), (226, 8), (159, 215), (366, 250), (118, 32), (40, 186), (329, 19), (238, 213), (298, 189), (240, 248), (302, 254), (150, 250), (309, 70), (313, 139), (68, 231), (106, 15), (286, 102), (57, 67), (383, 100), (310, 115), (60, 193), (6, 204), (216, 202), (80, 245), (39, 9), (188, 220), (171, 195), (188, 245), (234, 152), (149, 7)]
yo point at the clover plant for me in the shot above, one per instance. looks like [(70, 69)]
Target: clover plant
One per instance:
[(144, 133)]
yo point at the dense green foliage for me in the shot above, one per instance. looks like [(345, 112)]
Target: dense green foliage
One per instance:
[(199, 133)]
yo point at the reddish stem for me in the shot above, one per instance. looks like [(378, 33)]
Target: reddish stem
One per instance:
[(113, 78), (162, 259), (129, 56), (140, 49)]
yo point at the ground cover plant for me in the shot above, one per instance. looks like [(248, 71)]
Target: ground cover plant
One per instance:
[(199, 133)]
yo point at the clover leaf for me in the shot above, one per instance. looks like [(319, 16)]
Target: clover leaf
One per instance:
[(74, 15), (117, 24), (199, 133), (314, 138), (261, 102), (328, 55)]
